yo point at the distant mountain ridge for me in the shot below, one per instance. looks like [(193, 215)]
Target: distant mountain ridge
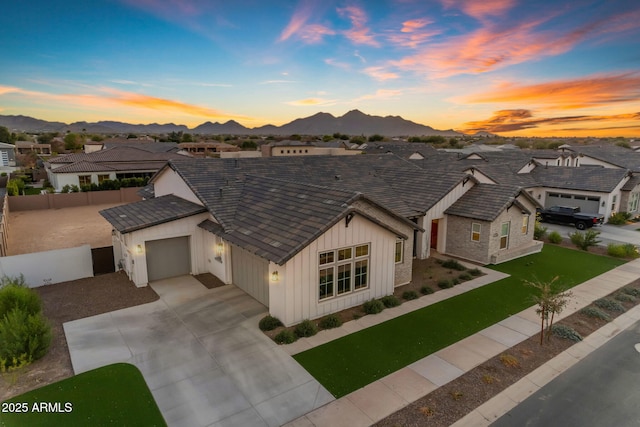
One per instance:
[(354, 122)]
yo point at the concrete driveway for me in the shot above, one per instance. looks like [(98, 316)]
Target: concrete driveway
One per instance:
[(202, 355)]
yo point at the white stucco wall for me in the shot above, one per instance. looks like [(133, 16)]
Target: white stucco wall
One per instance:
[(169, 182)]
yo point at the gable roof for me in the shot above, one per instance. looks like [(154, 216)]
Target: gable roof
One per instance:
[(147, 213), (579, 178), (116, 154), (613, 154), (487, 201)]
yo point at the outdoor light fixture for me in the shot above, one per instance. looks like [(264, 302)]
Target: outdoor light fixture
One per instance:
[(274, 276), (139, 249), (218, 249)]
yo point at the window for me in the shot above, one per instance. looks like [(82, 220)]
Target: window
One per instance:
[(475, 231), (342, 271), (633, 202), (84, 179), (4, 158), (525, 224), (102, 178), (399, 251), (504, 235)]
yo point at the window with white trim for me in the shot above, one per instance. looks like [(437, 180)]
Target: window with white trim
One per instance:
[(342, 271), (475, 231), (525, 224), (633, 202), (399, 251), (84, 179), (504, 235)]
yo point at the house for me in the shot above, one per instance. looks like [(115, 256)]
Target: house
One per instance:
[(24, 147), (312, 148), (208, 148), (311, 235), (109, 164), (7, 157)]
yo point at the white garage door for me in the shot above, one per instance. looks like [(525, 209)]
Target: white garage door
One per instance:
[(168, 258), (589, 204)]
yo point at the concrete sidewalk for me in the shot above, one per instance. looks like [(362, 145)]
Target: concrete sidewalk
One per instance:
[(381, 398)]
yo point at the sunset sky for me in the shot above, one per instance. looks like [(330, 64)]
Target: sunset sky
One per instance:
[(512, 67)]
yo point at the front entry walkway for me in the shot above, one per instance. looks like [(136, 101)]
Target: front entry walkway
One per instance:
[(202, 355)]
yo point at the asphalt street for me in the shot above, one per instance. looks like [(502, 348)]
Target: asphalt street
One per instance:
[(601, 390)]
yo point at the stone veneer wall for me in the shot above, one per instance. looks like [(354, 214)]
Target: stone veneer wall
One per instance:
[(459, 241)]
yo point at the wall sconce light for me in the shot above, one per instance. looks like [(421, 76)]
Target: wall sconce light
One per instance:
[(274, 276), (139, 249), (603, 204), (113, 231), (218, 249)]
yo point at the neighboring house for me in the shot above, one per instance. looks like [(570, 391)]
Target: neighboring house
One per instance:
[(24, 147), (108, 164), (299, 148), (308, 236), (7, 157), (208, 148)]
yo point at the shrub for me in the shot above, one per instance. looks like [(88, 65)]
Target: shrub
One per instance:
[(455, 281), (619, 218), (269, 323), (373, 306), (620, 296), (475, 272), (464, 276), (23, 335), (306, 328), (539, 231), (566, 332), (632, 291), (330, 322), (585, 240), (17, 296), (286, 336), (425, 290), (595, 313), (509, 361), (555, 237), (409, 295), (627, 250), (445, 284), (488, 379), (453, 264), (609, 304), (391, 301)]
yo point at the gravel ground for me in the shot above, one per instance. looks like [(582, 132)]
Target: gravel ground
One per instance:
[(68, 301)]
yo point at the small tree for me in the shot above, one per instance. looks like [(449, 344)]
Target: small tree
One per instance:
[(585, 240), (551, 301)]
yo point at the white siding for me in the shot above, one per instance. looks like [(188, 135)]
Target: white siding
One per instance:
[(251, 274), (169, 182), (294, 297)]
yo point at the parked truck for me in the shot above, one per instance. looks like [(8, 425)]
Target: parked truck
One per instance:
[(570, 215)]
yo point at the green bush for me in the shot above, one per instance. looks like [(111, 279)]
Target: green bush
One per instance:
[(390, 301), (409, 295), (286, 336), (306, 328), (23, 335), (625, 250), (621, 296), (619, 218), (330, 322), (269, 323), (539, 231), (475, 272), (445, 284), (632, 291), (566, 332), (18, 296), (585, 240), (609, 304), (454, 265), (426, 290), (455, 281), (373, 306), (595, 313), (464, 277), (555, 237)]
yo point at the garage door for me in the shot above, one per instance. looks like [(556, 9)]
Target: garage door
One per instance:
[(168, 257), (251, 274), (589, 204)]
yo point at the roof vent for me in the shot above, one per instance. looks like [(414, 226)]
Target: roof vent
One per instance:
[(337, 177)]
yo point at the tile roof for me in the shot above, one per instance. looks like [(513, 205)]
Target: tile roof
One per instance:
[(116, 154), (632, 183), (619, 156), (147, 213), (487, 201), (579, 178)]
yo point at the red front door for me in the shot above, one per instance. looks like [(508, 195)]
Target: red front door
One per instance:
[(434, 234)]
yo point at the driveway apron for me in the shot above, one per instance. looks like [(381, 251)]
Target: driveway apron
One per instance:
[(202, 355)]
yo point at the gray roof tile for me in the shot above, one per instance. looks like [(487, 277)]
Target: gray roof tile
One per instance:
[(486, 201)]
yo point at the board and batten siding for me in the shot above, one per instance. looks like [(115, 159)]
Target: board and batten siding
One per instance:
[(437, 212), (183, 227), (250, 273), (169, 182), (294, 297), (218, 266)]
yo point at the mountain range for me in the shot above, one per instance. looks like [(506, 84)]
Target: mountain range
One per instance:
[(354, 122)]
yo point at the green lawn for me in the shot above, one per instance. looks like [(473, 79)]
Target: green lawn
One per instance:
[(351, 362), (114, 395)]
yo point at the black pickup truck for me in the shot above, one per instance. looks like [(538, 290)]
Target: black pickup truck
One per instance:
[(570, 215)]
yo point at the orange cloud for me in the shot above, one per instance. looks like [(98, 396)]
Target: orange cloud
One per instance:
[(298, 20), (480, 9), (413, 33), (568, 94), (380, 94), (413, 25), (359, 33), (521, 119), (311, 101), (379, 73), (494, 45), (315, 33)]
